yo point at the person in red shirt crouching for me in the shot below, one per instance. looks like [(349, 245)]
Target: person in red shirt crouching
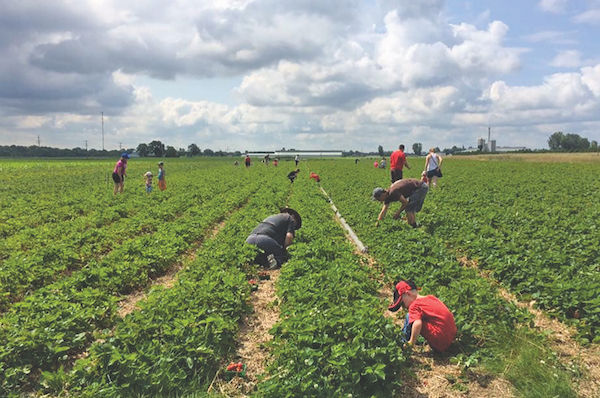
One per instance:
[(427, 316)]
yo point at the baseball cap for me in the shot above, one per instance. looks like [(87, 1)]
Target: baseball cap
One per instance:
[(294, 214), (400, 288), (377, 192), (125, 155)]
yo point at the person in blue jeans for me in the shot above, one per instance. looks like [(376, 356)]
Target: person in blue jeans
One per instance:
[(273, 235)]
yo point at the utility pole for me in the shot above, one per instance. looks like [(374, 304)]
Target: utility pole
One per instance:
[(86, 145), (38, 140), (102, 130), (120, 146)]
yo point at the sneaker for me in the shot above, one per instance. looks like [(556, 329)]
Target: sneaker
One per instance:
[(272, 261)]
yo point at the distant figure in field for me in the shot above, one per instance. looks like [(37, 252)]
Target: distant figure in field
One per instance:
[(247, 161), (382, 163), (410, 192), (376, 164), (315, 176), (356, 161), (433, 162), (162, 183), (427, 316), (293, 174), (267, 159), (397, 163), (148, 181), (273, 235), (275, 162), (119, 173), (236, 163), (297, 160)]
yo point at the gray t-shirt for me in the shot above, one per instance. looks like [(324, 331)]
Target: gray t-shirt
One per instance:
[(276, 227)]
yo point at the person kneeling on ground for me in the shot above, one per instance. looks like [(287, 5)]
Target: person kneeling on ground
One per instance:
[(411, 192), (427, 316), (315, 176), (274, 235)]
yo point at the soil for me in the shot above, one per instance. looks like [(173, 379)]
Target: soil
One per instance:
[(253, 338)]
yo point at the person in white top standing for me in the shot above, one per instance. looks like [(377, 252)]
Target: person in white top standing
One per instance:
[(433, 162), (297, 159)]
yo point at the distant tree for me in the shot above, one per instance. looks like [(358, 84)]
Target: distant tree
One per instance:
[(143, 150), (568, 142), (208, 152), (171, 152), (157, 148), (594, 146), (555, 141), (181, 152), (437, 149), (417, 148), (380, 150), (193, 150)]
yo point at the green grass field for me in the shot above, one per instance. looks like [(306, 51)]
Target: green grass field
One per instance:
[(71, 252)]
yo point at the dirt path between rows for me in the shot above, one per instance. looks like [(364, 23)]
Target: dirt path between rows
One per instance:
[(130, 302), (561, 339), (434, 375), (252, 338)]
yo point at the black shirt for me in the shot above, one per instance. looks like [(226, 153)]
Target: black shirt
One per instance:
[(276, 227)]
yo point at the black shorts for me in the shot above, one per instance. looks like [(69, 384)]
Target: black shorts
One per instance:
[(396, 175), (117, 178), (434, 173)]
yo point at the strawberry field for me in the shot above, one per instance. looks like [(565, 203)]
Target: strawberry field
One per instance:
[(71, 254)]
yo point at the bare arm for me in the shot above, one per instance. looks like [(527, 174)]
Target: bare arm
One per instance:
[(382, 213), (406, 164), (427, 161), (439, 160), (415, 331), (289, 237)]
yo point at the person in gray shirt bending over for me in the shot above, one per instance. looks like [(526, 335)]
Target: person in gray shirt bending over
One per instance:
[(273, 235)]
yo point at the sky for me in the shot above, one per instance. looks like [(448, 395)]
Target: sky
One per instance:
[(303, 74)]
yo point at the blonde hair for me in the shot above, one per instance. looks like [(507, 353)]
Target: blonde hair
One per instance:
[(431, 149)]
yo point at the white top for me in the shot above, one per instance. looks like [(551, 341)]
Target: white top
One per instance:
[(433, 162)]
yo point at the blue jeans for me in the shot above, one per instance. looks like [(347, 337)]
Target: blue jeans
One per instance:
[(269, 246), (406, 329)]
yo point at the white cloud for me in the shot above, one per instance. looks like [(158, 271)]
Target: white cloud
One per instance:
[(567, 59), (590, 17), (553, 6)]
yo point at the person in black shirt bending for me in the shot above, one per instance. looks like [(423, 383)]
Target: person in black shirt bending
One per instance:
[(273, 235)]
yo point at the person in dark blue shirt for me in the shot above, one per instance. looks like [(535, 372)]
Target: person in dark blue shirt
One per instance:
[(273, 235)]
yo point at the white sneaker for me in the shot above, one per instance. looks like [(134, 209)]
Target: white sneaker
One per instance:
[(272, 262)]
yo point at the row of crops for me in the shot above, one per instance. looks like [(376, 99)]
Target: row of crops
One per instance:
[(62, 280)]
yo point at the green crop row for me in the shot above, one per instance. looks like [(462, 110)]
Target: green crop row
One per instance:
[(485, 321), (181, 336), (56, 322), (534, 226), (38, 258), (332, 339)]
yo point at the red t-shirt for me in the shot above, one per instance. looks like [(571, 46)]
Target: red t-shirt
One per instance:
[(397, 160), (438, 328)]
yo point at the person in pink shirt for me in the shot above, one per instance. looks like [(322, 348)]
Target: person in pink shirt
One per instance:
[(119, 173)]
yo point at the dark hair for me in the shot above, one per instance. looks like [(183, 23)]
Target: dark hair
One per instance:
[(401, 146), (410, 283)]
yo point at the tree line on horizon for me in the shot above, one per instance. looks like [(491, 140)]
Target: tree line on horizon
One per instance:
[(557, 142)]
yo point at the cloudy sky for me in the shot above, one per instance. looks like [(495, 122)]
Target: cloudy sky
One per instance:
[(304, 74)]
